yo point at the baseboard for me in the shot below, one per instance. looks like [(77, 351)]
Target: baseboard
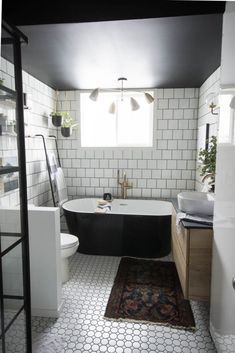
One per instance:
[(47, 312)]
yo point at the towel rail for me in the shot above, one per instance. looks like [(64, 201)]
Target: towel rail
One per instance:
[(50, 137), (48, 167), (57, 150)]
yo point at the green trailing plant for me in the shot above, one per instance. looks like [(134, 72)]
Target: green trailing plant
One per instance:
[(207, 157), (58, 113), (57, 117), (67, 120)]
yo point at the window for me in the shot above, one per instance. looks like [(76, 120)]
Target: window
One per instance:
[(125, 128)]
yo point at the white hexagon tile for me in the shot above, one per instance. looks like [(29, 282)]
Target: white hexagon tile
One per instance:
[(81, 327)]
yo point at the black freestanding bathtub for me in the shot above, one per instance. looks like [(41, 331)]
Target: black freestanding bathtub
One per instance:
[(138, 228)]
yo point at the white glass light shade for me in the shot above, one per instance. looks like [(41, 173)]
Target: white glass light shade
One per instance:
[(94, 94), (112, 108), (211, 99), (134, 104), (232, 103), (148, 97)]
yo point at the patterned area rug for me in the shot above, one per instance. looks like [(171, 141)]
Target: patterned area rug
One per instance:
[(149, 291)]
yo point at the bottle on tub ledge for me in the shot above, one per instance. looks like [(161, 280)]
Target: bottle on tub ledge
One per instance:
[(107, 196)]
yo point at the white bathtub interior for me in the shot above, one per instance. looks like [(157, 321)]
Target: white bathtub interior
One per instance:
[(122, 206)]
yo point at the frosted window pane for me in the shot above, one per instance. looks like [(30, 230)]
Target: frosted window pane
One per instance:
[(134, 127), (98, 127)]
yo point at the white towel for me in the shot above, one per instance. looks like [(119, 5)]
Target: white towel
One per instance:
[(208, 220), (53, 165), (179, 217), (102, 210), (61, 186), (108, 206)]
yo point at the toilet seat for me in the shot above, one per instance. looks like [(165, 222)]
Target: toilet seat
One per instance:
[(68, 240)]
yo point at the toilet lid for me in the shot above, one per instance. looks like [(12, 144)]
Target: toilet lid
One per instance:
[(68, 240)]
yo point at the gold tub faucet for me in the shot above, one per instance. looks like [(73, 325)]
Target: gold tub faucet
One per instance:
[(125, 184)]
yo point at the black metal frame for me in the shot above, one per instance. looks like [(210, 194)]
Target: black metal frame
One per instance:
[(207, 136), (57, 150), (15, 39), (48, 167), (47, 160)]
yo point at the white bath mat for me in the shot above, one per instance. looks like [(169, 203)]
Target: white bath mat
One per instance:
[(48, 344)]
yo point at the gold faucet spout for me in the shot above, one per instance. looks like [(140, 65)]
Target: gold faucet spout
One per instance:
[(124, 184)]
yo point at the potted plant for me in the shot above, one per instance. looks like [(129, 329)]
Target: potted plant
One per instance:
[(208, 159), (57, 118), (67, 125)]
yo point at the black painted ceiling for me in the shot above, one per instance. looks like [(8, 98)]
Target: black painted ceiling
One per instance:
[(177, 45)]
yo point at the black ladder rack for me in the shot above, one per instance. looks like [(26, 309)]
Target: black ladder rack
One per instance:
[(12, 39), (47, 160)]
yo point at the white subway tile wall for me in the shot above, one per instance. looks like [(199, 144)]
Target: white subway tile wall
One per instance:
[(211, 85), (162, 171), (37, 121), (155, 172)]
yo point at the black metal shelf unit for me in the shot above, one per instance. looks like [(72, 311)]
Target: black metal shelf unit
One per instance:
[(7, 170), (11, 41)]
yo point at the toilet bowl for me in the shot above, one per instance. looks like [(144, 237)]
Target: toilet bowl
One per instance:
[(69, 244)]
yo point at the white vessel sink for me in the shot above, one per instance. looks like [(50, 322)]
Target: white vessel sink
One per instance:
[(195, 202)]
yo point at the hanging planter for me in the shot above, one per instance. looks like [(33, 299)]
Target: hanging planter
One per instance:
[(57, 118), (66, 131), (67, 125)]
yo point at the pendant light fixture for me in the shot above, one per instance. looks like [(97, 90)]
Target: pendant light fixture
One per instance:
[(94, 94), (133, 102)]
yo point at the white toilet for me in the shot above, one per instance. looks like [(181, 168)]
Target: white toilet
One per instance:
[(69, 244)]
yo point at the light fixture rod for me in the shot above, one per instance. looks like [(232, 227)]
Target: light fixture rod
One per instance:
[(133, 102), (122, 79)]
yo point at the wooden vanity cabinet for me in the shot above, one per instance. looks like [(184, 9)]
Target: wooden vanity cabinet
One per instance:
[(192, 251)]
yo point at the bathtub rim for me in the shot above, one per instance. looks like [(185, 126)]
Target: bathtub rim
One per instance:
[(158, 201)]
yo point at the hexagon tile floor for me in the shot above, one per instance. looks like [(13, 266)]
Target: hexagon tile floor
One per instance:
[(81, 327)]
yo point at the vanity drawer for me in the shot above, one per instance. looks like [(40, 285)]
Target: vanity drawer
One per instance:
[(200, 263), (192, 252)]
